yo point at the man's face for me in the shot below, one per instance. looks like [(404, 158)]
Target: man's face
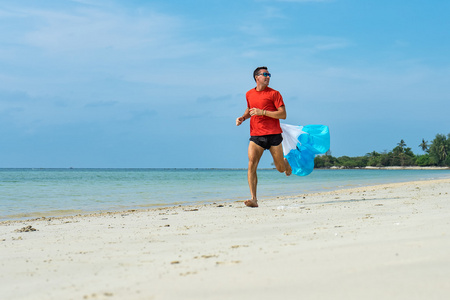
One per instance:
[(261, 79)]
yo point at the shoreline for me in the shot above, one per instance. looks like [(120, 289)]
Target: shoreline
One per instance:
[(372, 242), (61, 215)]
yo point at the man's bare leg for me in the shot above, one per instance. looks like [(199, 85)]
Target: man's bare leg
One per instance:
[(254, 155), (280, 162)]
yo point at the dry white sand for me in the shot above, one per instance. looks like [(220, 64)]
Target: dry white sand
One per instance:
[(382, 242)]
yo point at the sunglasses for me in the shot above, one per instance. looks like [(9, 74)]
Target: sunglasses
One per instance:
[(265, 74)]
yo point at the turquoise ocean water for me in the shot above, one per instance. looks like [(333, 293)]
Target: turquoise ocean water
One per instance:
[(29, 193)]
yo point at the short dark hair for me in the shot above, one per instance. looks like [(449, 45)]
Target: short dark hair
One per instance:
[(256, 72)]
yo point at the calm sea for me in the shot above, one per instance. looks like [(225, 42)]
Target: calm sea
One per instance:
[(29, 193)]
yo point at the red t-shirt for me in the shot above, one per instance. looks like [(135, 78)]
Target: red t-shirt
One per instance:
[(270, 100)]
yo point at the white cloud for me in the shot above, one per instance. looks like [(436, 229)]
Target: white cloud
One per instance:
[(90, 28), (57, 49)]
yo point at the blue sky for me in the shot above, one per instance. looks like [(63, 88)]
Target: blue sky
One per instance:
[(160, 83)]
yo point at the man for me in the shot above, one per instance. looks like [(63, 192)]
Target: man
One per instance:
[(265, 108)]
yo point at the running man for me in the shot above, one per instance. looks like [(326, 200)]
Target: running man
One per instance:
[(265, 108)]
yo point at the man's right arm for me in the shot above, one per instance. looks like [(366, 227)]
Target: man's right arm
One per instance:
[(244, 117)]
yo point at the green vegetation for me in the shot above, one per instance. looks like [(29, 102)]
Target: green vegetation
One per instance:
[(436, 154)]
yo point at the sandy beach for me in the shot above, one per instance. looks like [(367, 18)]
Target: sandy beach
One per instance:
[(380, 242)]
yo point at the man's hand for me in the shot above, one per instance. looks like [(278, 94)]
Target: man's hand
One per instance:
[(256, 112), (239, 121)]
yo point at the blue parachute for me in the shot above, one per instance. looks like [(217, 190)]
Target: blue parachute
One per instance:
[(302, 143)]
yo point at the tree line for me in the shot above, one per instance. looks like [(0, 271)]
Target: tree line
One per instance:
[(435, 154)]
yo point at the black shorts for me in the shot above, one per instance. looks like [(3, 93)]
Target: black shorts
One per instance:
[(267, 141)]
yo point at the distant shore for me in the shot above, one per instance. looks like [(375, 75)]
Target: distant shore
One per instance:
[(388, 168)]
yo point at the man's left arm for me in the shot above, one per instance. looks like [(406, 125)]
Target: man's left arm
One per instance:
[(280, 113)]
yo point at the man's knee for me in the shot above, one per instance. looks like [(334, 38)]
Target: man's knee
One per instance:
[(253, 165), (278, 161), (281, 167)]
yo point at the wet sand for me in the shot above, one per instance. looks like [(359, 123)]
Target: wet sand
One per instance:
[(381, 242)]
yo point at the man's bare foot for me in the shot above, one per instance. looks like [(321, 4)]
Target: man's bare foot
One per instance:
[(288, 168), (251, 203)]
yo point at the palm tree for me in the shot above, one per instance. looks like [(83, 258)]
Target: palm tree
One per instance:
[(439, 150), (399, 152), (443, 152), (424, 146), (402, 144)]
